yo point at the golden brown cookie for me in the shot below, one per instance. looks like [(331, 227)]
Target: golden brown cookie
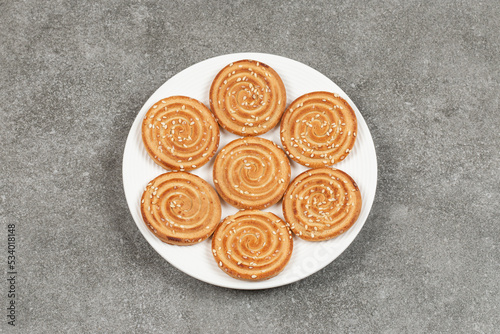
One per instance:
[(180, 133), (251, 173), (180, 208), (252, 245), (318, 129), (247, 98), (321, 203)]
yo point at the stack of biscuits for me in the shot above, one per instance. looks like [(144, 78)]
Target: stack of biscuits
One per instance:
[(248, 98)]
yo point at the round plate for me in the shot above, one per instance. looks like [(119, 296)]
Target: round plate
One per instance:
[(197, 260)]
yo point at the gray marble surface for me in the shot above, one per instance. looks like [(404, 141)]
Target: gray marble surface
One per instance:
[(424, 74)]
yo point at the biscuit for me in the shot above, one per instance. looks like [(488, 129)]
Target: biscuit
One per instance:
[(252, 245), (180, 133), (318, 129), (321, 203), (180, 208), (247, 98), (251, 173)]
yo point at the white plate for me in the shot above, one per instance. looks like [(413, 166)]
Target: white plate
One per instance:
[(197, 260)]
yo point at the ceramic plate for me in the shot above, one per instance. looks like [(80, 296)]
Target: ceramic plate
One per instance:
[(197, 260)]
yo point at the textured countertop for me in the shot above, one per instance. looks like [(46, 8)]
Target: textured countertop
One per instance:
[(425, 76)]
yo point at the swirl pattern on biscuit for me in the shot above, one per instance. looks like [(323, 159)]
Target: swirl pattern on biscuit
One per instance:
[(318, 129), (247, 98), (180, 208), (251, 173), (180, 133), (321, 203), (252, 245)]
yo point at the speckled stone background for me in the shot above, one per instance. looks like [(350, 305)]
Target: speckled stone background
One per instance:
[(426, 77)]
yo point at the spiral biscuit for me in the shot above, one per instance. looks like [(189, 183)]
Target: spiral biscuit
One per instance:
[(321, 203), (318, 129), (247, 98), (180, 133), (180, 208), (252, 245), (251, 173)]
